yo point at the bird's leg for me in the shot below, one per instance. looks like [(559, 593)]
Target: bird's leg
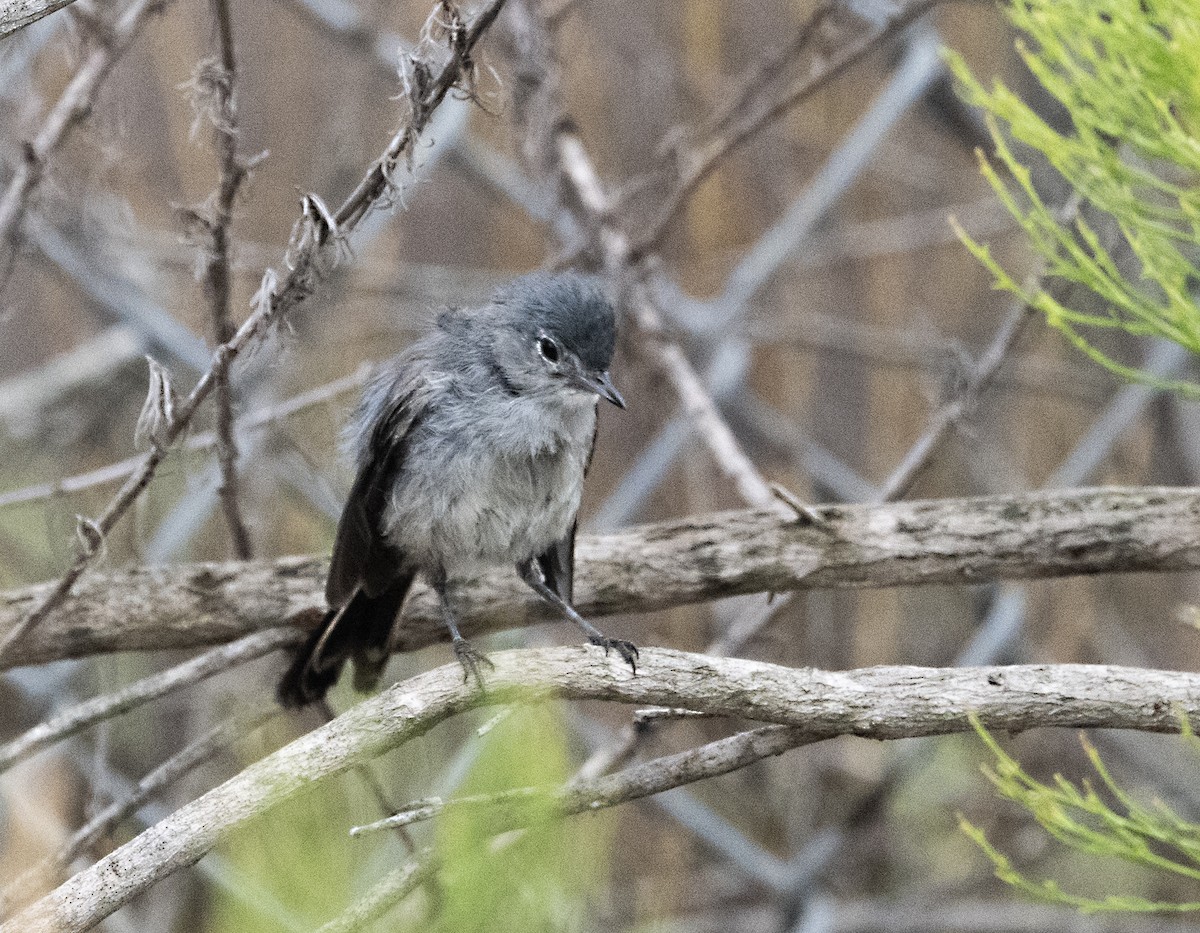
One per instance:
[(468, 657), (532, 575)]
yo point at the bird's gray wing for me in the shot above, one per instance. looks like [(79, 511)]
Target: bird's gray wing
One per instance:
[(557, 563), (362, 556)]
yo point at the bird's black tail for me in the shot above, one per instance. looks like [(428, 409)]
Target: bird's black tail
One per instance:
[(359, 631)]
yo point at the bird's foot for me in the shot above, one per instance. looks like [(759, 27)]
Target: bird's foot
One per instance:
[(471, 660), (626, 649)]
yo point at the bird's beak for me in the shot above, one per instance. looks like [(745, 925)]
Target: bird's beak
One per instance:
[(601, 384)]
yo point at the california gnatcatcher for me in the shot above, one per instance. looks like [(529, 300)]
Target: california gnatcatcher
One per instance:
[(471, 447)]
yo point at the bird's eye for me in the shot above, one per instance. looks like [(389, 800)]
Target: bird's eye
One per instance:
[(548, 349)]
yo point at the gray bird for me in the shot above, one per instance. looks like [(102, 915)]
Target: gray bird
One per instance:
[(471, 447)]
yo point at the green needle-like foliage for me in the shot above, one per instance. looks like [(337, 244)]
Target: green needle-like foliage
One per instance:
[(1078, 817), (1126, 73)]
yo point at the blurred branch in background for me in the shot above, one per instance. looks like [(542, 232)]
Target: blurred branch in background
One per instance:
[(114, 472), (111, 40), (90, 712), (731, 361), (764, 97), (216, 741)]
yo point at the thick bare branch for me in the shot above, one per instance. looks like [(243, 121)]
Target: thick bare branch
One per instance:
[(650, 567), (879, 703)]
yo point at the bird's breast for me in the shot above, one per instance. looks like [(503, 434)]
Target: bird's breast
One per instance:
[(489, 497)]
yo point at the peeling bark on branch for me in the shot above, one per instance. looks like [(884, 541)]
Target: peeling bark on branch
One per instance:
[(649, 567), (880, 703)]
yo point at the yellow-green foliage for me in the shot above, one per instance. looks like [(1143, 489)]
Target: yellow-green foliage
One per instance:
[(1078, 817), (536, 880), (297, 866), (1126, 73)]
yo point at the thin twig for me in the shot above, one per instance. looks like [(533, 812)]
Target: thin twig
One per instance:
[(397, 885), (315, 246), (731, 360), (223, 88), (260, 418), (71, 109), (373, 784), (897, 485), (593, 788), (919, 454), (993, 639), (74, 720), (983, 373), (505, 810)]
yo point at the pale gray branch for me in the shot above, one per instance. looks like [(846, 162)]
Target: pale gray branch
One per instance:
[(879, 703), (32, 399), (17, 14), (651, 567)]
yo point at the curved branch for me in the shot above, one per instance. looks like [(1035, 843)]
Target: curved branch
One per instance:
[(879, 703), (651, 567)]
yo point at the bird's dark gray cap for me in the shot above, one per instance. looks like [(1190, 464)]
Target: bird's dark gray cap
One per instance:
[(568, 306)]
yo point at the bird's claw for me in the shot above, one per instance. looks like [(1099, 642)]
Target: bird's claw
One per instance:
[(626, 649), (470, 659)]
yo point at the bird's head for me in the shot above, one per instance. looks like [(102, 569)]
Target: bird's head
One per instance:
[(557, 336)]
